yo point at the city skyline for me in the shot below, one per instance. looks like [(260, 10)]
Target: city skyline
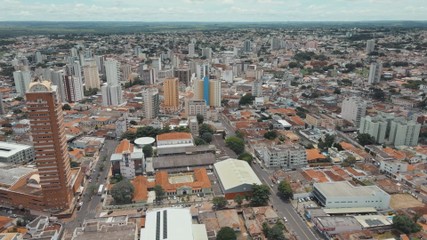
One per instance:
[(209, 11)]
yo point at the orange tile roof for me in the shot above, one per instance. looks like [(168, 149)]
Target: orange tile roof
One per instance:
[(284, 111), (140, 185), (123, 146), (297, 120), (313, 175), (354, 172), (173, 136), (201, 180), (77, 153), (4, 221), (314, 155), (399, 155)]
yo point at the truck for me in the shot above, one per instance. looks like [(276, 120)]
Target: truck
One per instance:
[(101, 189)]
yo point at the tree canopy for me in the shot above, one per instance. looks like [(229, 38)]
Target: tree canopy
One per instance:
[(160, 193), (122, 192), (246, 99), (148, 151), (365, 139), (275, 232), (219, 202), (285, 190), (260, 195), (66, 107), (200, 118), (226, 233), (236, 144), (405, 224), (246, 157)]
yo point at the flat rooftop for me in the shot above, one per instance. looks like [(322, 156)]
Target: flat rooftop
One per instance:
[(342, 221), (9, 176), (333, 211), (370, 221), (345, 189), (178, 161), (10, 149)]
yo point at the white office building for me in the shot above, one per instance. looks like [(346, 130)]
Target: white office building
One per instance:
[(22, 80), (353, 109), (375, 71), (207, 52), (283, 156), (344, 195), (172, 224), (16, 153)]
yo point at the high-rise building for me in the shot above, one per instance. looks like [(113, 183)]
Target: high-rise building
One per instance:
[(194, 107), (215, 93), (257, 88), (183, 74), (353, 109), (100, 60), (151, 100), (22, 80), (376, 126), (207, 52), (375, 71), (138, 51), (148, 76), (57, 79), (191, 50), (1, 104), (171, 96), (276, 43), (156, 63), (91, 75), (112, 91), (73, 89), (206, 90), (126, 71), (50, 144), (247, 46), (370, 46), (198, 89), (404, 133), (39, 57)]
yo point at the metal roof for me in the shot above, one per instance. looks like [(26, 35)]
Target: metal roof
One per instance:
[(234, 172)]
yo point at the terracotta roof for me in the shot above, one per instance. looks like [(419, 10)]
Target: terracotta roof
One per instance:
[(314, 155), (313, 175), (399, 155), (297, 120), (140, 185), (201, 180), (283, 111), (77, 153), (173, 136), (334, 177), (124, 145), (354, 172)]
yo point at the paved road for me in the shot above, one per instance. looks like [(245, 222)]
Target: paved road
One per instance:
[(91, 203), (228, 128), (285, 209), (219, 142)]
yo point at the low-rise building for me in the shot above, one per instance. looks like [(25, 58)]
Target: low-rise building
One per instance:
[(16, 153), (127, 160), (107, 228), (330, 226), (284, 156), (344, 195), (174, 139)]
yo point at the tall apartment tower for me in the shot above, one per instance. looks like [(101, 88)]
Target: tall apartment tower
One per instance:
[(207, 52), (50, 144), (215, 93), (247, 46), (91, 75), (22, 80), (126, 71), (191, 50), (112, 91), (206, 90), (257, 88), (171, 96), (353, 109), (151, 100), (198, 89), (183, 74), (370, 46), (73, 89), (375, 71), (404, 133), (1, 104)]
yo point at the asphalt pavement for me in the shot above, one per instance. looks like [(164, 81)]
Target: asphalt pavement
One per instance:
[(91, 202)]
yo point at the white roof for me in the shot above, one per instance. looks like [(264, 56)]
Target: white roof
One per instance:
[(234, 172), (284, 123), (346, 189), (144, 141), (10, 149), (177, 221)]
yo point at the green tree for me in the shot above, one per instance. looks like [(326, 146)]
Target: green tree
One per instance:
[(239, 199), (275, 232), (207, 137), (246, 99), (349, 161), (270, 135), (160, 193), (200, 118), (199, 141), (246, 157), (285, 190), (337, 91), (405, 224), (122, 192), (66, 107), (365, 139), (338, 147), (205, 128), (219, 202), (133, 122), (226, 233), (260, 195), (147, 150), (236, 144)]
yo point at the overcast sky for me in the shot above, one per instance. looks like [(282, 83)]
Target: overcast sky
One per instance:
[(212, 10)]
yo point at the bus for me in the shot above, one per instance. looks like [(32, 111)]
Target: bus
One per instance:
[(100, 189)]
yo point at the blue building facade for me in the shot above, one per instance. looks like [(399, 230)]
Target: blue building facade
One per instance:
[(206, 89)]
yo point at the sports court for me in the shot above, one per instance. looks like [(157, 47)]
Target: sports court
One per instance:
[(181, 178)]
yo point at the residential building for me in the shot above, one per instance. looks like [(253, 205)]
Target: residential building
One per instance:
[(148, 76), (73, 89), (50, 145), (195, 107), (236, 177), (284, 156), (2, 111), (112, 91), (191, 50), (171, 95), (207, 52), (375, 71), (151, 100), (215, 93), (126, 72), (16, 153), (247, 46), (206, 90), (198, 85), (22, 80), (344, 195), (127, 160), (257, 88), (376, 126), (91, 75), (172, 224), (353, 109), (394, 166), (370, 46), (194, 126), (184, 75), (332, 225), (156, 63), (174, 139), (404, 133)]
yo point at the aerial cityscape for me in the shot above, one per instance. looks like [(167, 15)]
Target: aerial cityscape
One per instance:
[(213, 120)]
